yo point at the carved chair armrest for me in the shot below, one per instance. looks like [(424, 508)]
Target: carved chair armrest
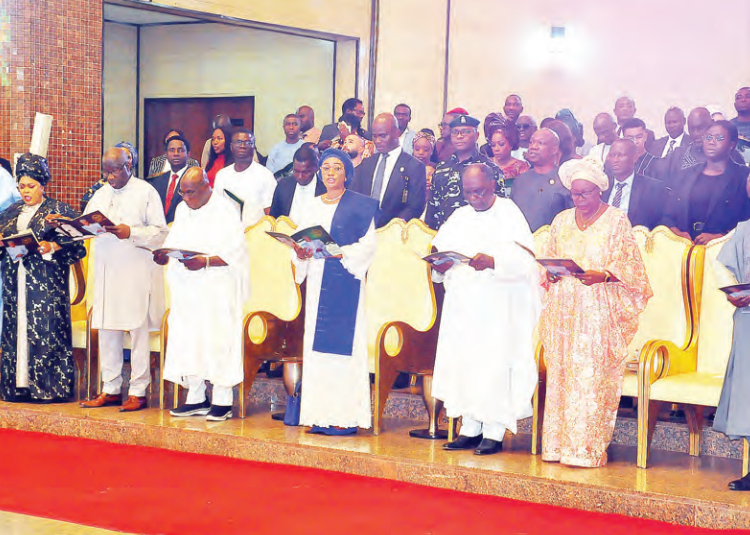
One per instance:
[(415, 351), (661, 358)]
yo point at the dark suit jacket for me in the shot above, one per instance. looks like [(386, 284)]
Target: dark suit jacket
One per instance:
[(729, 205), (330, 131), (284, 194), (657, 148), (160, 184), (408, 176), (646, 201)]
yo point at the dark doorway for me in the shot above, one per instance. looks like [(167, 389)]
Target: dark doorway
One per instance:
[(193, 116)]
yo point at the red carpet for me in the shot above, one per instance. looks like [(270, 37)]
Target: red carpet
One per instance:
[(153, 491)]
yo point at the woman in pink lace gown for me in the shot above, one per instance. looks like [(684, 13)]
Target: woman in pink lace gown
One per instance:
[(588, 320)]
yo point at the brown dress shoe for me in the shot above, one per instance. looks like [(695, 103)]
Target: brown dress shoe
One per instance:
[(102, 400), (134, 404)]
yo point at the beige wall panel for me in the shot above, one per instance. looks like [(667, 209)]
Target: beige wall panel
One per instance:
[(346, 79), (120, 61), (281, 71), (499, 48), (411, 59)]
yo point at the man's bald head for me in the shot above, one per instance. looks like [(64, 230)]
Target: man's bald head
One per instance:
[(385, 132), (116, 155), (195, 188), (605, 128), (624, 109), (116, 167), (544, 150), (699, 119), (478, 183)]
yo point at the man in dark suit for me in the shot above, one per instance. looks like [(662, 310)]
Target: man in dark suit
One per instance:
[(646, 164), (291, 192), (640, 197), (710, 198), (350, 122), (674, 122), (396, 179), (624, 111), (168, 183)]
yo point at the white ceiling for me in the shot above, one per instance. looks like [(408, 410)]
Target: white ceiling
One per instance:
[(129, 15)]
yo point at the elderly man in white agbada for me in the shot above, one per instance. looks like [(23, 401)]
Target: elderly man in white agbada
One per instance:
[(484, 368)]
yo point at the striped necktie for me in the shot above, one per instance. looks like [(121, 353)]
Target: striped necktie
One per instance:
[(618, 194)]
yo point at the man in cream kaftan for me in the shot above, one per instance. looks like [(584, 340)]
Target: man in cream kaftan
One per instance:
[(127, 293), (484, 367), (205, 319)]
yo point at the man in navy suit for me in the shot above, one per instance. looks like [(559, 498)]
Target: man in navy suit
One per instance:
[(168, 183), (640, 197), (396, 179), (292, 192)]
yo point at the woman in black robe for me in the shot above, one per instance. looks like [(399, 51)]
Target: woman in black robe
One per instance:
[(37, 355)]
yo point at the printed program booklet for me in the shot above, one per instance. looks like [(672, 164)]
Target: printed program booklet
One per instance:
[(446, 257), (21, 244), (314, 238), (179, 254), (85, 226), (737, 290), (561, 267)]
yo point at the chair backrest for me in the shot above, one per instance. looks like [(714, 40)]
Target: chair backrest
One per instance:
[(399, 287), (715, 312), (667, 315), (273, 289), (541, 237)]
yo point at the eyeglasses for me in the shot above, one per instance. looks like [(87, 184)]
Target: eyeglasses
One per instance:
[(105, 174), (478, 193), (334, 168), (188, 193), (243, 143), (582, 194), (712, 137), (466, 132), (523, 126)]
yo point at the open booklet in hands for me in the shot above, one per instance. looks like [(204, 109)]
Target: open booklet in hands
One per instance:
[(19, 245), (314, 238), (446, 257), (85, 226), (737, 290), (179, 254), (561, 267)]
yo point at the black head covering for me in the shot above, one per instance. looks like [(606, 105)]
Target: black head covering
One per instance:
[(33, 166), (133, 153)]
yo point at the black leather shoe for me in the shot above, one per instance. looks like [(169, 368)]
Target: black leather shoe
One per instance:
[(488, 447), (740, 484), (463, 443)]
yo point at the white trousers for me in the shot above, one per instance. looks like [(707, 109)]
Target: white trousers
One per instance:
[(473, 428), (110, 360), (222, 395)]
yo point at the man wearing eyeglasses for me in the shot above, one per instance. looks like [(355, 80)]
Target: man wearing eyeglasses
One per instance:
[(167, 183), (646, 163), (127, 292), (350, 122), (526, 127), (447, 190), (246, 182)]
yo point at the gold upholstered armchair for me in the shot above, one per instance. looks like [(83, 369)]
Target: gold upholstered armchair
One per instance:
[(401, 310), (691, 376)]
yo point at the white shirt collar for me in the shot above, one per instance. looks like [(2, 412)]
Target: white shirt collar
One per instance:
[(628, 181), (394, 153)]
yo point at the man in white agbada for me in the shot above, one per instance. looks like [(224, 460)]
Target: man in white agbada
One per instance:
[(208, 291), (246, 180), (128, 291), (484, 367)]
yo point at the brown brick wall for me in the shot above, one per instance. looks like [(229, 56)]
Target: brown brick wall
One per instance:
[(55, 67)]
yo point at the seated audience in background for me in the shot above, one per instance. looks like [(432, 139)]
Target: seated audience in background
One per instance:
[(220, 121), (127, 293), (731, 415), (208, 292), (513, 107), (710, 198), (354, 147), (640, 197), (402, 112), (502, 137), (336, 379), (496, 297), (576, 129), (742, 122), (219, 155), (281, 154), (292, 193), (246, 183), (447, 191), (308, 132), (684, 156), (350, 122), (588, 320), (444, 148), (646, 163), (567, 141), (605, 129), (392, 177), (674, 123), (538, 192), (526, 128), (36, 363), (624, 111), (160, 164), (167, 184)]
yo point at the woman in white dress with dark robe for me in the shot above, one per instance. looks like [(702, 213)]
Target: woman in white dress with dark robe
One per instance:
[(335, 378)]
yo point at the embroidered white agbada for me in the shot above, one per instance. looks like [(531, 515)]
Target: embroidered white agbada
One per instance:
[(205, 318), (484, 366), (335, 388), (127, 285)]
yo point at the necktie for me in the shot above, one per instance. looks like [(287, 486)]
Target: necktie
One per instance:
[(377, 184), (170, 193), (618, 194), (671, 146)]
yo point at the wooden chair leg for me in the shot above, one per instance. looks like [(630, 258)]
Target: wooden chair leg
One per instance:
[(745, 456), (538, 416), (452, 429), (647, 415), (694, 416)]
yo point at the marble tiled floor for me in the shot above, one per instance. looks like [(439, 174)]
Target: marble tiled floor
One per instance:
[(14, 524), (677, 488)]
